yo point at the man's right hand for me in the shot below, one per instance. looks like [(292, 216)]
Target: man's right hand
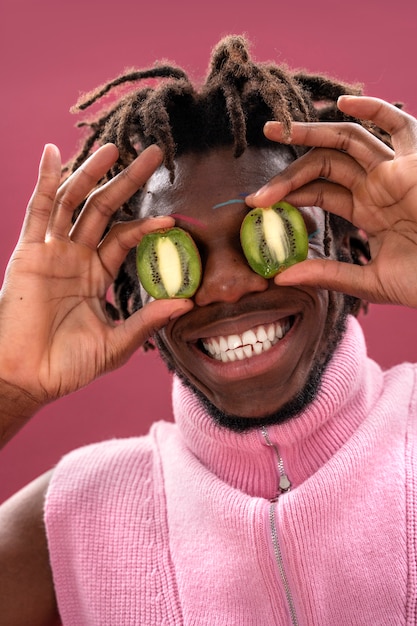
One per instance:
[(55, 334)]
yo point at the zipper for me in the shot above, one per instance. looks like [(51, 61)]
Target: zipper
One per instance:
[(284, 485)]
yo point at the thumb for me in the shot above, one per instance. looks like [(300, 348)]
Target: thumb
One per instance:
[(330, 275), (143, 323)]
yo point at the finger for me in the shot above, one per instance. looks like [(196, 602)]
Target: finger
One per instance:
[(124, 236), (347, 278), (104, 202), (400, 125), (348, 137), (75, 189), (328, 196), (40, 205), (338, 200), (141, 325), (319, 163)]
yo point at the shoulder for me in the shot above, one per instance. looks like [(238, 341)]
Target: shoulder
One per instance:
[(105, 476), (109, 461)]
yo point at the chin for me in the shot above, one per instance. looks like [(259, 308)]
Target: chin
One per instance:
[(291, 409), (243, 423)]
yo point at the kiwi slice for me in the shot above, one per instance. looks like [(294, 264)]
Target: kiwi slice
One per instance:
[(273, 238), (168, 264)]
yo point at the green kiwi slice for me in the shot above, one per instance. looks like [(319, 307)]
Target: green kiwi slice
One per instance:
[(273, 238), (168, 264)]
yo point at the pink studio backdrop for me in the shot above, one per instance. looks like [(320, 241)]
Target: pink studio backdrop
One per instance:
[(52, 51)]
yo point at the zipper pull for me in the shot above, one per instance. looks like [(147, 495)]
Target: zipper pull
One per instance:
[(284, 483)]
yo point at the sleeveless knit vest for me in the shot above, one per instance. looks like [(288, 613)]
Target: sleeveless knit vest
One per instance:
[(309, 523)]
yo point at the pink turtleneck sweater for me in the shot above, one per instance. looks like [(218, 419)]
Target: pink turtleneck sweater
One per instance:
[(188, 525)]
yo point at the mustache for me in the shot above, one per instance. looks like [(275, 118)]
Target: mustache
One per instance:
[(280, 303)]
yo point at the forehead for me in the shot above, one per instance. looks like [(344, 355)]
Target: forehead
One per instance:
[(212, 178)]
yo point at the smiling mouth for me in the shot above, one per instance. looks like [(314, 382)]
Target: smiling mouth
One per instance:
[(253, 342)]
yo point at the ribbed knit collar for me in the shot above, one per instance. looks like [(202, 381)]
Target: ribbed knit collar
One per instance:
[(349, 388)]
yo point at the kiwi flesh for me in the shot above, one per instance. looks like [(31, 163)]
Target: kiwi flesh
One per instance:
[(274, 238), (168, 264)]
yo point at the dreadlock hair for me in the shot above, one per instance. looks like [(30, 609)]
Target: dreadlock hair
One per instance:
[(229, 108)]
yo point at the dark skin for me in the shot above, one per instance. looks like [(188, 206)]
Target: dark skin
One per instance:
[(64, 273), (354, 175), (232, 299), (26, 588)]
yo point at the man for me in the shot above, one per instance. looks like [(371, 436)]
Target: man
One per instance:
[(285, 493)]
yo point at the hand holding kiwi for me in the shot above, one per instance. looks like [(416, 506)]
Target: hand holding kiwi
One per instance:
[(272, 239)]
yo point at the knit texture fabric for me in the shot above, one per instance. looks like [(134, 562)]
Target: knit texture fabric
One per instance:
[(186, 525)]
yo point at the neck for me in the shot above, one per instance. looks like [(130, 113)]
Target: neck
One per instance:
[(248, 461)]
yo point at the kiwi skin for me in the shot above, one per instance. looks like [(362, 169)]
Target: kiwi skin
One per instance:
[(289, 239), (183, 253)]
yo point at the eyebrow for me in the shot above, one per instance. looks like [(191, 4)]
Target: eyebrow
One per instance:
[(187, 218), (232, 201)]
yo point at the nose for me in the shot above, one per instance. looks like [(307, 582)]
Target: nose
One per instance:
[(226, 278)]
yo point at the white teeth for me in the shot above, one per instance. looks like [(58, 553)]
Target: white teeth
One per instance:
[(251, 343), (216, 346), (267, 344), (223, 344), (234, 341), (247, 350), (258, 348), (249, 337), (261, 334), (270, 331), (240, 354)]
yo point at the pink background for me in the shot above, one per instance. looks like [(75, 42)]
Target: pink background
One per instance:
[(51, 51)]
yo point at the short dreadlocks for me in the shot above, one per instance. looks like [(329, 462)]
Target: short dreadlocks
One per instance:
[(229, 109)]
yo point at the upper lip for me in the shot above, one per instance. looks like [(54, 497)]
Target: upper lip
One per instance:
[(235, 326), (227, 319)]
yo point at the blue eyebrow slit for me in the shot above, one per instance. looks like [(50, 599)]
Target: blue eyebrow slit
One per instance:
[(233, 201)]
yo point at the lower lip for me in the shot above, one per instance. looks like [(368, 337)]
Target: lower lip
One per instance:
[(250, 367)]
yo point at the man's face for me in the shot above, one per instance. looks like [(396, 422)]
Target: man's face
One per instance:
[(288, 331)]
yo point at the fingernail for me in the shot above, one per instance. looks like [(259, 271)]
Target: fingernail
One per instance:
[(260, 191), (345, 96)]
